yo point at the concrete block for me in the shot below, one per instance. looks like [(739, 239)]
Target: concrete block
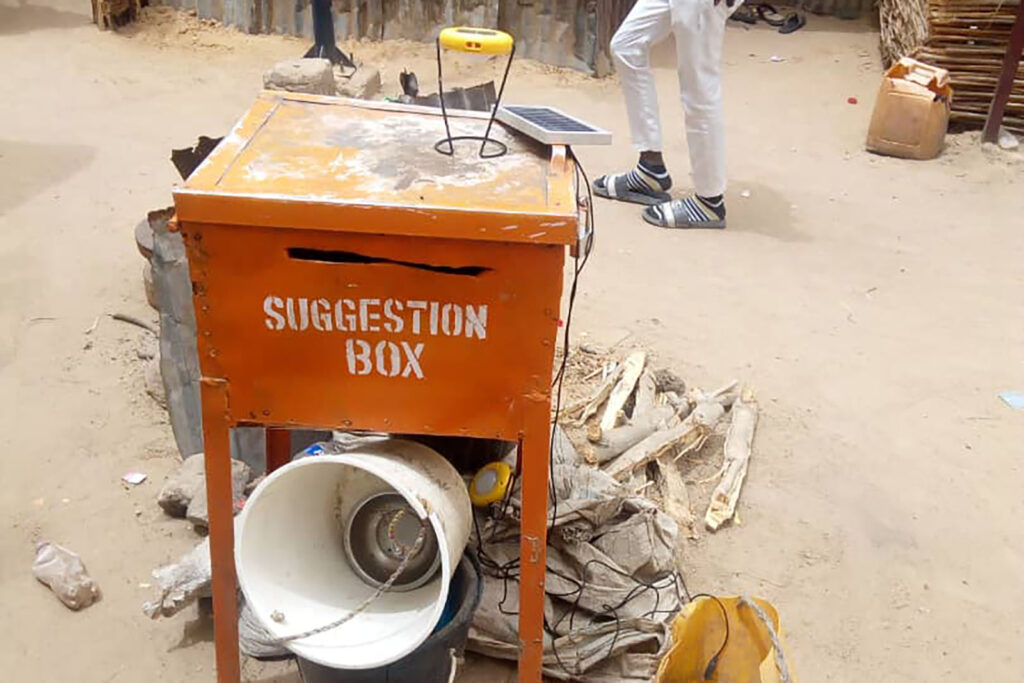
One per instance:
[(313, 76), (363, 84)]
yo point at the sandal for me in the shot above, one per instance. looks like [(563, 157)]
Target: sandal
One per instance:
[(616, 186), (794, 22), (688, 213), (745, 15), (770, 15)]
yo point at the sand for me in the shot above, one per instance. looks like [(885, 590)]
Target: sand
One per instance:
[(874, 304)]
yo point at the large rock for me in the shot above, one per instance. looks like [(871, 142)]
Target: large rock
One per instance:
[(362, 84), (184, 492), (313, 76)]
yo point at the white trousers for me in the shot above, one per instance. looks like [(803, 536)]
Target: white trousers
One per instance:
[(699, 28)]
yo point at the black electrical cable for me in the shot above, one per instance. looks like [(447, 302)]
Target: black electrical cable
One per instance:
[(580, 258), (673, 580), (709, 670)]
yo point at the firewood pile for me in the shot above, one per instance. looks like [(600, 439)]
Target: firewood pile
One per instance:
[(648, 428), (969, 38), (903, 28)]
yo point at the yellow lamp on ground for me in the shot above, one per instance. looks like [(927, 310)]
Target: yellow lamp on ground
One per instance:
[(490, 484)]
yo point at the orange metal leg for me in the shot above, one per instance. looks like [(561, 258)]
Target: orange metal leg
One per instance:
[(279, 448), (533, 543), (222, 537)]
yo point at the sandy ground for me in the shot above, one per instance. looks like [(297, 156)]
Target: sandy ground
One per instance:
[(875, 304)]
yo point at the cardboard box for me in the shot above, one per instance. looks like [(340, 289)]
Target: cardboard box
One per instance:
[(912, 111)]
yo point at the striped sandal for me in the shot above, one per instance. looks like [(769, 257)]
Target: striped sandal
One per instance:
[(639, 186), (691, 212)]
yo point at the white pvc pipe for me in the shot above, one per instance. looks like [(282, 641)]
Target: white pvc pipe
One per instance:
[(290, 557)]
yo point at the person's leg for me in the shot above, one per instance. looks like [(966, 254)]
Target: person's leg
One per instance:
[(648, 23), (699, 38), (699, 27)]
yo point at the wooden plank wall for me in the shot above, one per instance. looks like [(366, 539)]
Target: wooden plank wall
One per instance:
[(572, 33)]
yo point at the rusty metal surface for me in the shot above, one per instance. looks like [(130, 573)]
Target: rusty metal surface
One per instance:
[(304, 161)]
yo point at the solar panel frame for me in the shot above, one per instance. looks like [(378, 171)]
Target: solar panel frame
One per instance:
[(552, 126)]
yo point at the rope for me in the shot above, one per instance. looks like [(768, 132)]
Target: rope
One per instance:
[(780, 656), (383, 588)]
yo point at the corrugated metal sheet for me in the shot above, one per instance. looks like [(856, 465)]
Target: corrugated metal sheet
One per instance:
[(573, 33)]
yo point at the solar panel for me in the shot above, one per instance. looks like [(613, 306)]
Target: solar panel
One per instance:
[(551, 126)]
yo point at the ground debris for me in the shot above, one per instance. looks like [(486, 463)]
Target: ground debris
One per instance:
[(65, 574), (738, 444), (132, 320), (637, 420), (184, 492)]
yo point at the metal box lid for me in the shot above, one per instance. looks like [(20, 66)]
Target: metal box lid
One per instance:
[(315, 162)]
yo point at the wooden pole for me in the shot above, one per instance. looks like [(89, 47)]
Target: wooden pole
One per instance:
[(1006, 78)]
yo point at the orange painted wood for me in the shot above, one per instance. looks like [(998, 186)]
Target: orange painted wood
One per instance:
[(347, 276)]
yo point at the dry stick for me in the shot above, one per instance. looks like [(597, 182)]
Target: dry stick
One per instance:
[(132, 320), (674, 497), (647, 417), (689, 435), (737, 456), (725, 394), (614, 442), (646, 396), (631, 369), (617, 441), (590, 406)]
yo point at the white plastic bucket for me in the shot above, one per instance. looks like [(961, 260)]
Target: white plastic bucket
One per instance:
[(291, 560)]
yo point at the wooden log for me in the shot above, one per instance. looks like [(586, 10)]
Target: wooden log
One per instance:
[(738, 444), (631, 369), (614, 442), (1006, 79), (646, 396), (675, 499), (688, 435)]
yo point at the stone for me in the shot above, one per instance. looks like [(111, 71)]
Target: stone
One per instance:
[(184, 492), (198, 511), (363, 84), (313, 76), (1008, 140)]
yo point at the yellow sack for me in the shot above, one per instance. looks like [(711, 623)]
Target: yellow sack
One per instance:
[(753, 652)]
